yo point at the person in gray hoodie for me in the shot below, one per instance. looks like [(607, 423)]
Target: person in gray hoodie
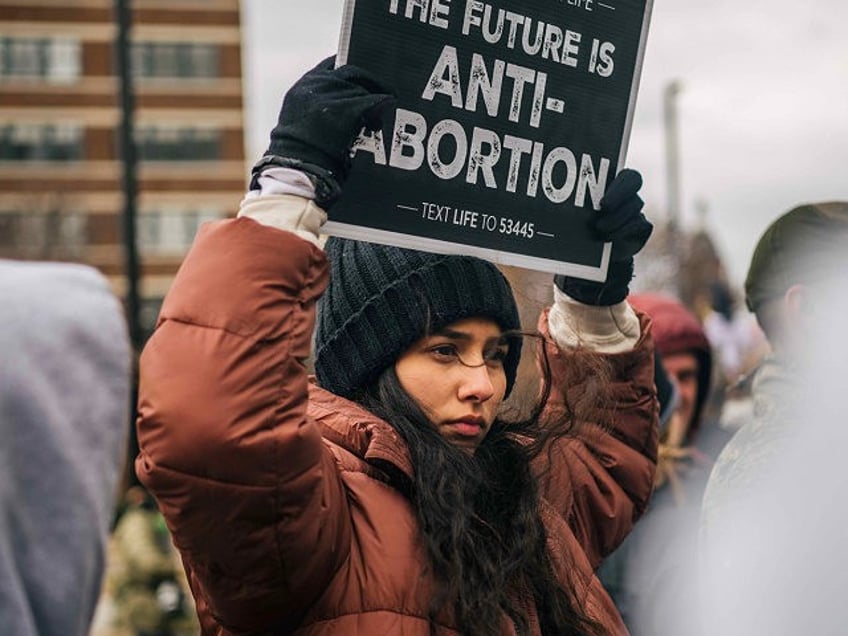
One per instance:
[(65, 362)]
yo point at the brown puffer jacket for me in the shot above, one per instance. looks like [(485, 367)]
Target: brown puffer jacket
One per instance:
[(279, 495)]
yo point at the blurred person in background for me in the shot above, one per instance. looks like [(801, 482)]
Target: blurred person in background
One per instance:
[(145, 592), (651, 574), (64, 406), (739, 346), (774, 560), (733, 333), (692, 439)]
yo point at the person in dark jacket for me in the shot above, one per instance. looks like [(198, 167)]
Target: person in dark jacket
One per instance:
[(389, 494)]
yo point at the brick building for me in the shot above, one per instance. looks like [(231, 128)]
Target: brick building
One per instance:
[(61, 192)]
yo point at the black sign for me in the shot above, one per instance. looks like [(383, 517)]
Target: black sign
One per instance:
[(512, 119)]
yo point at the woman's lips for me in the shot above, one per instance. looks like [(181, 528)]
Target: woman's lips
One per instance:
[(467, 426)]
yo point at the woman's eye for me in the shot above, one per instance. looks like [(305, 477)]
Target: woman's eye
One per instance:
[(444, 352), (496, 356)]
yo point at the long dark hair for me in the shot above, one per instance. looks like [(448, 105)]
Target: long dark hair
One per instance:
[(479, 515)]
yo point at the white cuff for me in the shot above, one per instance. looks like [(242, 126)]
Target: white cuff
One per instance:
[(286, 212), (277, 180), (612, 329)]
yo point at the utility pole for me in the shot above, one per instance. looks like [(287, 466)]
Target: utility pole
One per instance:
[(129, 161), (672, 163), (672, 153), (131, 259)]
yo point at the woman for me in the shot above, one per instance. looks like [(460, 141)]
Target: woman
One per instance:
[(388, 497)]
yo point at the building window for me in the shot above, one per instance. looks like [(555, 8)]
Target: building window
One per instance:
[(56, 60), (8, 229), (178, 144), (46, 234), (175, 60), (73, 232), (40, 142), (168, 232)]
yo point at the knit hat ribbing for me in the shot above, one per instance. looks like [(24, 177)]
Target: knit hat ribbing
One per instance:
[(381, 299)]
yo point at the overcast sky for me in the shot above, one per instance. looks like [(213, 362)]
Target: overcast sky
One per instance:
[(763, 111)]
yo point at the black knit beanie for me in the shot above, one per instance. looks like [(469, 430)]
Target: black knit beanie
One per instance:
[(382, 299)]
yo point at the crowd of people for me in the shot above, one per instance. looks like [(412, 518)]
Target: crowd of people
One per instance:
[(397, 490)]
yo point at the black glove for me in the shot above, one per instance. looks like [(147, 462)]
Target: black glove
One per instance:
[(620, 220), (321, 116)]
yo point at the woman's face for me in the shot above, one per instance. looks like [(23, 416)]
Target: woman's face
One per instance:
[(457, 377)]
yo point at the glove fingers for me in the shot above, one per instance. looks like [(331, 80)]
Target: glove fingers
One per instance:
[(629, 245), (349, 93), (632, 232), (360, 77), (327, 64), (610, 220), (325, 83), (375, 114), (625, 185), (341, 103)]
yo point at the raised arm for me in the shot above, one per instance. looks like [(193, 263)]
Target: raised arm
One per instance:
[(250, 491), (601, 354)]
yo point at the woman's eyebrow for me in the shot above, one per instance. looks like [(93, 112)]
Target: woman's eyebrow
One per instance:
[(463, 336), (446, 332)]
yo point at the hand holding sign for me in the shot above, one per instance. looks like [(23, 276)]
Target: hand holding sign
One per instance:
[(321, 116), (621, 222)]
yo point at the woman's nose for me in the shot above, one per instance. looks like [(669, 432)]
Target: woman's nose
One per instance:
[(476, 384)]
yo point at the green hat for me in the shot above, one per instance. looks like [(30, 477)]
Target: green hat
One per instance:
[(806, 245)]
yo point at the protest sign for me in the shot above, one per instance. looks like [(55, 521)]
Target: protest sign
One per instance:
[(512, 119)]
